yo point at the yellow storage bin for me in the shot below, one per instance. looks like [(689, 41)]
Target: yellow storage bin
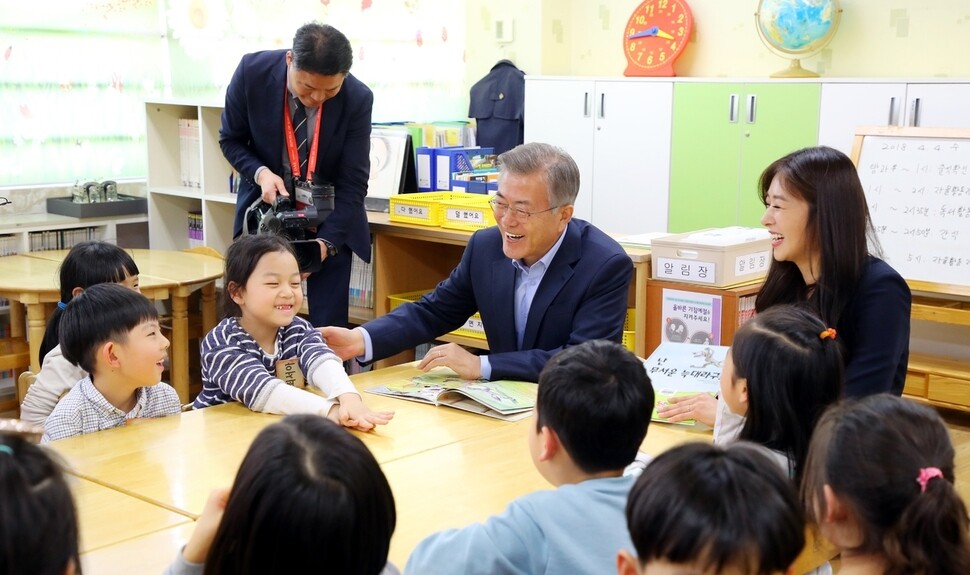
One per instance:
[(471, 213), (473, 326), (629, 327), (424, 209)]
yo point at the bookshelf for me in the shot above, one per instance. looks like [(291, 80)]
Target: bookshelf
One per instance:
[(169, 200), (736, 302)]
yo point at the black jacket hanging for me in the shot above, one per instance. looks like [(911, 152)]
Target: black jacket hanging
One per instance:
[(497, 102)]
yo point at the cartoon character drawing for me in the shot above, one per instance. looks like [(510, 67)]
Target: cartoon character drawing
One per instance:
[(707, 357), (676, 330), (702, 338)]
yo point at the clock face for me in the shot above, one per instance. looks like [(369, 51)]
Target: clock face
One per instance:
[(657, 32)]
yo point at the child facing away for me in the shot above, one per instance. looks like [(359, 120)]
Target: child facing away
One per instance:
[(879, 484), (112, 333), (261, 340), (783, 369), (88, 263), (707, 510), (38, 525), (309, 497), (592, 411)]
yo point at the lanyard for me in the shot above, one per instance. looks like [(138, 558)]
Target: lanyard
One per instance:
[(291, 149)]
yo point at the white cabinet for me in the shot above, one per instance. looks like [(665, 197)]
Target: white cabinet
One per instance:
[(170, 202), (846, 106), (618, 131)]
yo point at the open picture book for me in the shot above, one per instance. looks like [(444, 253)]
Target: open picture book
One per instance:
[(502, 399), (684, 369)]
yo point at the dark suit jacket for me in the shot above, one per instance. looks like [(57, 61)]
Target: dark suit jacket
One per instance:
[(497, 102), (582, 296), (252, 136)]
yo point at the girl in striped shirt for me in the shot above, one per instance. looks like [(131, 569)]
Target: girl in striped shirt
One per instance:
[(262, 346)]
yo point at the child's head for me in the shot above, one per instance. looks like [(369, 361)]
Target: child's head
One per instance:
[(38, 523), (784, 368), (308, 493), (879, 480), (111, 327), (262, 279), (711, 509), (595, 400), (89, 263)]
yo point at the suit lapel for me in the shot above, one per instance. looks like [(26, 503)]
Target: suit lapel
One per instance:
[(503, 298), (278, 97), (552, 283), (332, 110)]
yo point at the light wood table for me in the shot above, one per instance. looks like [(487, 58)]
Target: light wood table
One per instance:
[(447, 467), (34, 282), (181, 274), (107, 516)]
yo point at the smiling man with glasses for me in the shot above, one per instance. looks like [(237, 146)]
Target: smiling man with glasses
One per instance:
[(541, 280)]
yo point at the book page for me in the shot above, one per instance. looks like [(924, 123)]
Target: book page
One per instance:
[(677, 369), (508, 400)]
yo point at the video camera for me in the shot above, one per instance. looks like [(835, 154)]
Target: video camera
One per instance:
[(297, 225)]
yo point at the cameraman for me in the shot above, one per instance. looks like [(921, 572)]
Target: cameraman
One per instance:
[(324, 136)]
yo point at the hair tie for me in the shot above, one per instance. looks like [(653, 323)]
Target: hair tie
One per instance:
[(6, 449), (827, 334), (61, 305), (925, 474)]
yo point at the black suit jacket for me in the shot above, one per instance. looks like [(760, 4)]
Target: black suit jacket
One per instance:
[(252, 136), (582, 296)]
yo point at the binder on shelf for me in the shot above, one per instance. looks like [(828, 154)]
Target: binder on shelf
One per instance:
[(451, 160), (425, 157), (391, 167)]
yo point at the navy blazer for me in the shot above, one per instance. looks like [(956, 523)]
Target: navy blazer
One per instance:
[(583, 295), (252, 136)]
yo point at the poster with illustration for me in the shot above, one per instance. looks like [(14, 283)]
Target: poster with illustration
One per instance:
[(690, 317)]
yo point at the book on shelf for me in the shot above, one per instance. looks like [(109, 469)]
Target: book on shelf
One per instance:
[(189, 153), (61, 239), (677, 369), (362, 283), (196, 238), (502, 399)]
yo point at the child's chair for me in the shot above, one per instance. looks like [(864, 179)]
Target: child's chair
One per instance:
[(14, 356)]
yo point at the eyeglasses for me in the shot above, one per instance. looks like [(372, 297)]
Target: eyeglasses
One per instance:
[(500, 209)]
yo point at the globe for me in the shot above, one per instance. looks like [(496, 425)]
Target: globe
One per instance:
[(797, 29)]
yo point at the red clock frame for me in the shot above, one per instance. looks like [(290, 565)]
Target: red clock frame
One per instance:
[(655, 36)]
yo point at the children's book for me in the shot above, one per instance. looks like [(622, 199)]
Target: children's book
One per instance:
[(501, 399), (684, 369)]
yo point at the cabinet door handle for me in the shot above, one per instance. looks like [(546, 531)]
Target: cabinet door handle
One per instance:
[(602, 105), (752, 104), (733, 109), (892, 112), (585, 104), (914, 117)]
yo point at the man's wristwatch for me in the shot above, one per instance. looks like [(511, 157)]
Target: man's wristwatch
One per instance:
[(331, 249)]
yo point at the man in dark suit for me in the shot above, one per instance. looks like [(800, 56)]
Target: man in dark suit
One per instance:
[(267, 149), (540, 279)]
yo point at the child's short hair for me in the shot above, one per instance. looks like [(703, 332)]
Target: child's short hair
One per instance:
[(38, 523), (308, 493), (242, 257), (103, 312), (891, 462), (793, 374), (598, 399), (716, 506), (88, 263)]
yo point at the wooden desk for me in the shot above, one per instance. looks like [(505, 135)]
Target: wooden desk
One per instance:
[(176, 461), (409, 257), (145, 553), (178, 273), (447, 468), (107, 516)]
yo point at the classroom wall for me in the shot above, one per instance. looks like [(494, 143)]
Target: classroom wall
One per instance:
[(876, 38)]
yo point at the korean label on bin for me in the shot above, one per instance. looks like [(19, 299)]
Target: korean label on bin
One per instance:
[(686, 270), (422, 212), (752, 263), (466, 215)]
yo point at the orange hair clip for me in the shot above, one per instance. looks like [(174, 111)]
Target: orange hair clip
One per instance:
[(827, 334)]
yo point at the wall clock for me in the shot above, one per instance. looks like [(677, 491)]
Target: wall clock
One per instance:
[(655, 35)]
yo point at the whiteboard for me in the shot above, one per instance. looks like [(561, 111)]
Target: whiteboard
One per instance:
[(917, 185)]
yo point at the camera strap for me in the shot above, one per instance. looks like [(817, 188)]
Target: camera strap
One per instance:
[(291, 147)]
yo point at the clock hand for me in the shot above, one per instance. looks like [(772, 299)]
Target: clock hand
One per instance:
[(653, 31)]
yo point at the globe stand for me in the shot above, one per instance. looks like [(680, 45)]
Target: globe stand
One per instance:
[(795, 70)]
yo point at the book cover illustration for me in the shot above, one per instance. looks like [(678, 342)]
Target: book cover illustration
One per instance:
[(501, 399), (677, 369)]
